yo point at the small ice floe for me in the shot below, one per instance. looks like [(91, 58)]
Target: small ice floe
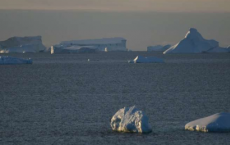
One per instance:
[(219, 122), (141, 59), (130, 119), (88, 60), (14, 60)]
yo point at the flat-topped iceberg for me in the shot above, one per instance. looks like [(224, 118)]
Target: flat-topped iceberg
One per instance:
[(195, 43), (104, 44), (73, 49), (130, 119), (22, 45), (219, 122), (141, 59), (14, 60)]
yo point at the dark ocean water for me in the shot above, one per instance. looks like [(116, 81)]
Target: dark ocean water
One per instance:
[(64, 99)]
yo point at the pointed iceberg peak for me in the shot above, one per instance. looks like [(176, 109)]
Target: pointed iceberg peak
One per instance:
[(193, 34), (193, 43), (193, 30)]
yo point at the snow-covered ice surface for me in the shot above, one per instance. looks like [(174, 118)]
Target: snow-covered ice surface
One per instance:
[(22, 45), (141, 59), (219, 122), (64, 99), (195, 43), (14, 60), (130, 119)]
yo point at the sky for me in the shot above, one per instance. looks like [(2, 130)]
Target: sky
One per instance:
[(121, 5), (142, 22)]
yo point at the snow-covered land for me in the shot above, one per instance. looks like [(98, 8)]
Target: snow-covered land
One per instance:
[(219, 122), (109, 44), (13, 60), (195, 43), (158, 48), (130, 119), (141, 59), (22, 45)]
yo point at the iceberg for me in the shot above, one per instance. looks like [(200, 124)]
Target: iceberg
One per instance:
[(130, 119), (219, 50), (13, 60), (141, 59), (73, 49), (158, 48), (104, 44), (219, 122), (22, 45), (193, 43)]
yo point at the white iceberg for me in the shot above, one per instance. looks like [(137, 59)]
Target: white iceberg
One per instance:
[(13, 60), (219, 122), (193, 43), (72, 49), (22, 45), (158, 48), (141, 59), (130, 119), (104, 44)]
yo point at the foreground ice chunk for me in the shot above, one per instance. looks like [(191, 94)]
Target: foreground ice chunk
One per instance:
[(219, 122), (130, 119), (141, 59), (13, 60)]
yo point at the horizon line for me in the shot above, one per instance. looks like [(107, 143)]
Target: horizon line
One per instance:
[(110, 10)]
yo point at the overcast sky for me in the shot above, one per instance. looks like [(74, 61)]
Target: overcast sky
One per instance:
[(121, 5)]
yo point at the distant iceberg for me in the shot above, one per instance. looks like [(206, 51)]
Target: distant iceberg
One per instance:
[(30, 44), (195, 43), (91, 45), (13, 60), (141, 59), (73, 49), (219, 122), (219, 50), (158, 48), (130, 119)]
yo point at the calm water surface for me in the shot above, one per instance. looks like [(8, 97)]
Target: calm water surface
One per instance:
[(64, 99)]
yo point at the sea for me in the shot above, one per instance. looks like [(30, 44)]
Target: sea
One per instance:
[(69, 99)]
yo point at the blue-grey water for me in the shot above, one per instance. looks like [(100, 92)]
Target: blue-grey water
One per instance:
[(63, 99)]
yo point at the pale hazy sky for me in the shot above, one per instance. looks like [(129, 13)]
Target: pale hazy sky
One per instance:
[(121, 5)]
